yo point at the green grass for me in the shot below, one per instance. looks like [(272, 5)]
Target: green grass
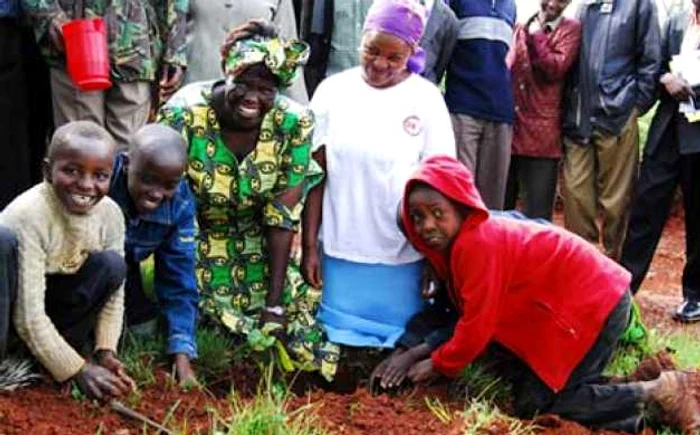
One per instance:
[(267, 413), (684, 345)]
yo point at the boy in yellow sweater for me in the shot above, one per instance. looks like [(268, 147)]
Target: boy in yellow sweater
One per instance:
[(61, 257)]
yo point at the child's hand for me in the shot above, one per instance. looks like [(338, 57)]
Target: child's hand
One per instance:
[(108, 360), (397, 369), (422, 371), (378, 372), (429, 282), (99, 383)]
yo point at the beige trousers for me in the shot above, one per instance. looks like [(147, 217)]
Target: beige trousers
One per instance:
[(121, 109), (599, 177), (484, 148)]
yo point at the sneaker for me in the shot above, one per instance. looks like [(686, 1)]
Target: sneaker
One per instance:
[(679, 409), (689, 311)]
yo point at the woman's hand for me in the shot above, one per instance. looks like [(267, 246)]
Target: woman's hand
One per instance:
[(100, 383), (422, 371), (311, 266)]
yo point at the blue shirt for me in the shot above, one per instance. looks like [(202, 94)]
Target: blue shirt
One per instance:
[(478, 80), (9, 8), (168, 233)]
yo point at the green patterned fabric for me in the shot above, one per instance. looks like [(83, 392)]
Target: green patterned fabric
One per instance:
[(236, 200), (282, 58), (141, 34)]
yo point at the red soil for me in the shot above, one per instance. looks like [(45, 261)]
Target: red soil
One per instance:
[(44, 409)]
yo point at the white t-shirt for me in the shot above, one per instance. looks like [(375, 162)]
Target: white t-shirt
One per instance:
[(374, 140)]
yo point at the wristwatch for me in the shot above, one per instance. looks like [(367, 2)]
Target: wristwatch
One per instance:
[(277, 310)]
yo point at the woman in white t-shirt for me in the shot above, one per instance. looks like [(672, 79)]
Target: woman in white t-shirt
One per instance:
[(374, 125)]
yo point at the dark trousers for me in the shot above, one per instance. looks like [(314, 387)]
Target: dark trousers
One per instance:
[(139, 308), (660, 175), (434, 325), (14, 146), (73, 302), (585, 398), (535, 180)]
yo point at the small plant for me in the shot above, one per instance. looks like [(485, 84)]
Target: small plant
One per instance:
[(216, 351), (140, 355), (477, 381), (267, 414), (16, 373), (482, 416)]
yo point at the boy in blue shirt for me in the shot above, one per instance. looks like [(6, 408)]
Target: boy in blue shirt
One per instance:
[(159, 211)]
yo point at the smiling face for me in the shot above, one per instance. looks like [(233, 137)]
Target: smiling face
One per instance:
[(152, 180), (435, 218), (552, 9), (79, 172), (383, 58), (154, 166), (250, 96)]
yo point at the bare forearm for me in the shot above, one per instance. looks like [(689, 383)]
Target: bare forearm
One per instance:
[(311, 218), (279, 242)]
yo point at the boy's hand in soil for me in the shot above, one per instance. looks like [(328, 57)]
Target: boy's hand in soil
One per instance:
[(108, 360), (399, 364), (99, 383), (422, 371), (184, 371), (378, 372)]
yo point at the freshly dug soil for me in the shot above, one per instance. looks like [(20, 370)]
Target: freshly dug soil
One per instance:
[(46, 409)]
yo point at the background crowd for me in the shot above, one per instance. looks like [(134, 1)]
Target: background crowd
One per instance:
[(388, 85)]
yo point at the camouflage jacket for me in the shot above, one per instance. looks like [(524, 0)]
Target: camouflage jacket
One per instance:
[(141, 33)]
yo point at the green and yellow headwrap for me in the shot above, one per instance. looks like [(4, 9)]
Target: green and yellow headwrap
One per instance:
[(281, 57)]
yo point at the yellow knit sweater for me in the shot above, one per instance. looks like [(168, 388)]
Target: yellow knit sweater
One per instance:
[(53, 241)]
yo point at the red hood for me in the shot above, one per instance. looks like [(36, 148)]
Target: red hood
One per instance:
[(452, 179)]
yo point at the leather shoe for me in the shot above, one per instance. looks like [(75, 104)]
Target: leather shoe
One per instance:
[(689, 311)]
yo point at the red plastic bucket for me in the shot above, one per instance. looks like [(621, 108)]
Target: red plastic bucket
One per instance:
[(87, 54)]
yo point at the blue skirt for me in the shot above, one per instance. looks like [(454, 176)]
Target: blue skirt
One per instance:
[(368, 305)]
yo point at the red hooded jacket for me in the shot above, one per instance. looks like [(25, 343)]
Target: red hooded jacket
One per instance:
[(538, 290)]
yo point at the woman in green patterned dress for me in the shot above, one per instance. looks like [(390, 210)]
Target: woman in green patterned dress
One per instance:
[(250, 168)]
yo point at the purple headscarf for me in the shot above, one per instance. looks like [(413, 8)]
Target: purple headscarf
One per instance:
[(404, 19)]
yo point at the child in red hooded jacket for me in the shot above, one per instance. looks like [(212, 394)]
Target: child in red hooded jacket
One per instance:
[(547, 299)]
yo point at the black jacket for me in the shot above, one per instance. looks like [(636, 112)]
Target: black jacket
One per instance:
[(618, 67), (667, 113)]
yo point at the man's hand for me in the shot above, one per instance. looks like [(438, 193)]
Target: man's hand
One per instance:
[(108, 360), (311, 267), (677, 87), (422, 371), (56, 33), (99, 383), (171, 77)]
